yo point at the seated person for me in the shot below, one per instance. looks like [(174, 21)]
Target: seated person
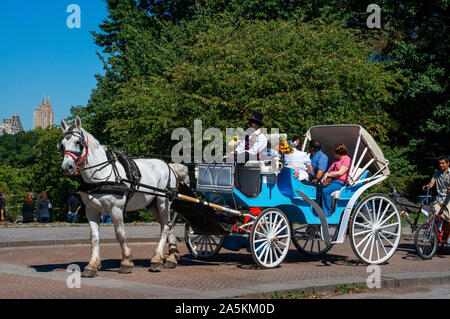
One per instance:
[(254, 144), (336, 176), (319, 161), (299, 161)]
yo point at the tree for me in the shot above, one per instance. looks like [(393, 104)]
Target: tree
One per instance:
[(147, 43)]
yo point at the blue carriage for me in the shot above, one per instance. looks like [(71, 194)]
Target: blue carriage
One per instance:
[(262, 207)]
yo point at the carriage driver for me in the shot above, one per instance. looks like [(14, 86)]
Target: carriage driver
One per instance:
[(253, 144)]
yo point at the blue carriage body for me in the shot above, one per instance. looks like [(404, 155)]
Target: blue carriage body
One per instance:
[(234, 189), (280, 191)]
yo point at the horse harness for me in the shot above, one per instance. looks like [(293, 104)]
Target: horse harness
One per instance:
[(118, 187)]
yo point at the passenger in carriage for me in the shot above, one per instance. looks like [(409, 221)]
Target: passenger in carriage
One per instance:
[(299, 161), (319, 161), (336, 176)]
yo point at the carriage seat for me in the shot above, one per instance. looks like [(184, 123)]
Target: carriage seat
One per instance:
[(347, 191), (288, 185)]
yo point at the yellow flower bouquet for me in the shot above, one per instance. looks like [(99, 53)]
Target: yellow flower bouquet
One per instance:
[(233, 142), (285, 148)]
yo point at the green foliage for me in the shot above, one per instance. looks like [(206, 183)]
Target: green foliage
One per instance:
[(300, 63), (47, 174), (16, 150), (298, 74), (348, 288), (41, 173), (406, 176), (169, 62)]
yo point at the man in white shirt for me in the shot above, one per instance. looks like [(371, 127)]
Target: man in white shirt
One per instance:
[(254, 144), (299, 161)]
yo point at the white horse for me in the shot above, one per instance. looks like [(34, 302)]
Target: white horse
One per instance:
[(84, 155)]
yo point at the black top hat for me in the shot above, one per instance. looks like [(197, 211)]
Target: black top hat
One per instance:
[(256, 117)]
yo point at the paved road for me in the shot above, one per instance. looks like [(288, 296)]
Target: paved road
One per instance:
[(40, 272)]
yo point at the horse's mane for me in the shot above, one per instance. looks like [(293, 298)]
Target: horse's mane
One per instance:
[(93, 142)]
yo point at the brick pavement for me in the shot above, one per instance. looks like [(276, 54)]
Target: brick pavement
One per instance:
[(39, 272)]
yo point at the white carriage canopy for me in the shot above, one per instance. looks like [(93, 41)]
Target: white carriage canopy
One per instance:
[(368, 156)]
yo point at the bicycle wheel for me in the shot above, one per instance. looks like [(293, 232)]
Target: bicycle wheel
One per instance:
[(426, 244)]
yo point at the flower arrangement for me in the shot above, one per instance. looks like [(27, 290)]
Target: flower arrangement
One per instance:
[(233, 142), (285, 148)]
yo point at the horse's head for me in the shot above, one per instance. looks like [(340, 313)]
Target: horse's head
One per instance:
[(74, 145)]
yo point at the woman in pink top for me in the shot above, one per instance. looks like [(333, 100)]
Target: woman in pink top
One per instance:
[(336, 176)]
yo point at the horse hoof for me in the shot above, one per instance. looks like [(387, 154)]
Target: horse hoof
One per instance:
[(99, 267), (170, 265), (125, 269), (156, 267), (88, 273)]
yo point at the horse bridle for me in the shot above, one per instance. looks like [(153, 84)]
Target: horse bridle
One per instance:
[(78, 157)]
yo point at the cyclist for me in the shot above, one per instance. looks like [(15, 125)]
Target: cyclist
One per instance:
[(441, 178)]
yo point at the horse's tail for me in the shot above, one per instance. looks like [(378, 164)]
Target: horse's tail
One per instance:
[(180, 170)]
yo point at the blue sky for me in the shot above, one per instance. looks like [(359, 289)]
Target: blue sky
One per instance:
[(40, 55)]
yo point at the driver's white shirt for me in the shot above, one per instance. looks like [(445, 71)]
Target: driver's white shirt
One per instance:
[(256, 147), (299, 160)]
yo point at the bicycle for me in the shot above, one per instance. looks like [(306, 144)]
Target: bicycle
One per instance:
[(432, 235), (404, 204)]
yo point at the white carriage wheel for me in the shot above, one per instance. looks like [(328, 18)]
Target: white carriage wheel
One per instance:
[(202, 246), (375, 229), (270, 238), (308, 239)]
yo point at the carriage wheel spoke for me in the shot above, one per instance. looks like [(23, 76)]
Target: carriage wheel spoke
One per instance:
[(373, 214), (379, 210), (306, 243), (384, 212), (388, 232), (210, 244), (363, 232), (284, 244), (371, 247), (364, 217), (279, 231), (271, 254), (390, 225), (363, 240), (386, 239), (376, 245), (259, 240), (385, 220), (261, 234), (367, 245), (279, 250), (262, 249), (382, 245), (279, 224), (275, 221)]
